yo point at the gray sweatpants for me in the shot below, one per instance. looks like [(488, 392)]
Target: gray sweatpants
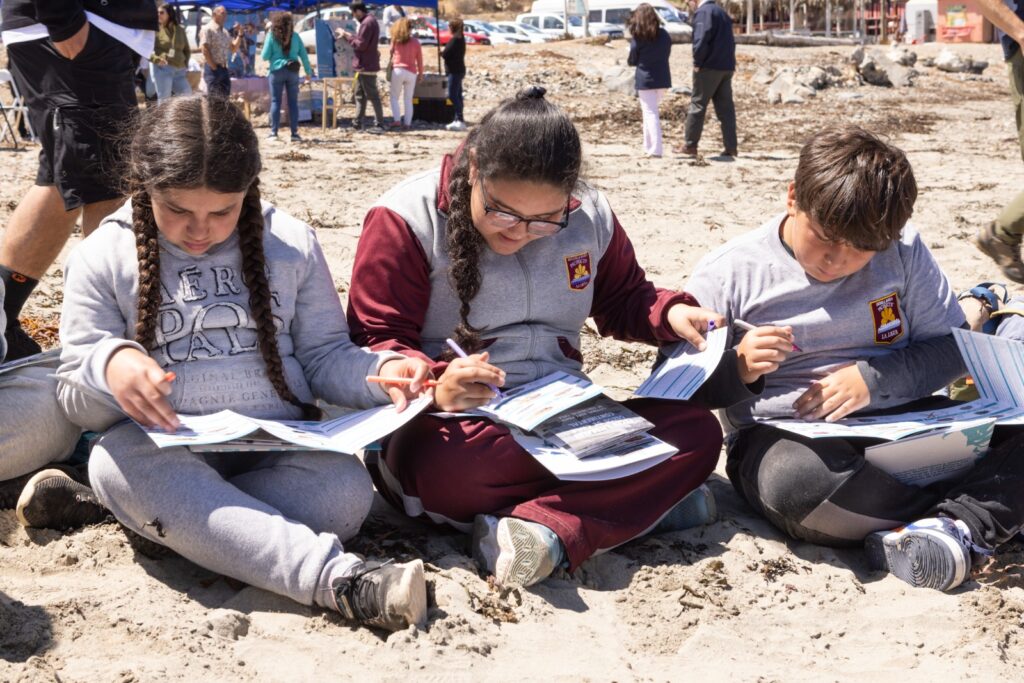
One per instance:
[(273, 520), (33, 429), (711, 85)]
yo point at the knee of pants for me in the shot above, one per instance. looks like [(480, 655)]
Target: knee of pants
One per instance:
[(105, 477), (343, 503), (792, 481)]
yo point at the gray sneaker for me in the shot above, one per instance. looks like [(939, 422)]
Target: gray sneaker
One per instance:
[(931, 553), (696, 509), (517, 552), (388, 596), (1005, 254)]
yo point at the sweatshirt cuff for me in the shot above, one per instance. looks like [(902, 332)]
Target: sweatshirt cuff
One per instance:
[(664, 332), (96, 368), (377, 391)]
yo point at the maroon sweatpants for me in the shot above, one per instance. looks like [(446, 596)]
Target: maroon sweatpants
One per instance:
[(455, 469)]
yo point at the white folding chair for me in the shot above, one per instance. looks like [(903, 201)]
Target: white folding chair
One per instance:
[(17, 106)]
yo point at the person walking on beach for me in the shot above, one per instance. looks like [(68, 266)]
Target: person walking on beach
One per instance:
[(714, 63), (1001, 239), (76, 69), (649, 50)]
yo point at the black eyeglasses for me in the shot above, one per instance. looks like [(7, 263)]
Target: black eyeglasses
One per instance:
[(506, 220)]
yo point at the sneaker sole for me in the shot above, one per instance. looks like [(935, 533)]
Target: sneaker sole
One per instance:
[(410, 594), (30, 515), (523, 556), (921, 557)]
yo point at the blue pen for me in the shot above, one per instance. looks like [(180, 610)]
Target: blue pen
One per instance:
[(462, 354)]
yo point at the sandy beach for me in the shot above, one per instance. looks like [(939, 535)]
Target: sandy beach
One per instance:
[(732, 601)]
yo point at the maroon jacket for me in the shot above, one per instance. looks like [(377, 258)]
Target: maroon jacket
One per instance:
[(531, 305), (364, 42)]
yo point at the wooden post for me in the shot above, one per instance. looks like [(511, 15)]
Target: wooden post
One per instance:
[(792, 15), (750, 16), (828, 18), (882, 23)]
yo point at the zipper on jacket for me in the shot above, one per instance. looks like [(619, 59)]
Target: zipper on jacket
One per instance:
[(529, 305)]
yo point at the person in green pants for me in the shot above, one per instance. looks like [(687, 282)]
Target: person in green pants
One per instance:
[(1001, 239)]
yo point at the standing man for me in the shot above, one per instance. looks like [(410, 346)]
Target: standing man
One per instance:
[(392, 13), (714, 62), (366, 65), (1001, 239), (74, 61), (217, 46)]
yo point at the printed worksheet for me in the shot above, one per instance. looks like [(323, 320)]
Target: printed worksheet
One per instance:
[(345, 434), (685, 369), (926, 458), (997, 366), (641, 452), (530, 404), (892, 427)]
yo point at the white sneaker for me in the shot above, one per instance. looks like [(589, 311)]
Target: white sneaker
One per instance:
[(456, 125), (932, 553), (517, 552)]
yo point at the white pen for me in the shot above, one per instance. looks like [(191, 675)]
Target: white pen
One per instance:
[(744, 325), (462, 354)]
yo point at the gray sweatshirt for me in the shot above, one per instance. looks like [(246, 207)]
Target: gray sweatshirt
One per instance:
[(893, 318), (204, 332)]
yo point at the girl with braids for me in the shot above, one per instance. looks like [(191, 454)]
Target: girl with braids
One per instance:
[(505, 250), (197, 277)]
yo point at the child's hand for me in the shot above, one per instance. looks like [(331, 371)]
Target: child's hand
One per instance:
[(835, 396), (415, 369), (691, 322), (762, 350), (464, 384), (141, 387)]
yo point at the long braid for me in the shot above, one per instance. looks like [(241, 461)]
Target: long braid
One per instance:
[(254, 275), (148, 252), (465, 244)]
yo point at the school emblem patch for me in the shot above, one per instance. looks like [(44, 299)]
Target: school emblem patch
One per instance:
[(887, 318), (578, 270)]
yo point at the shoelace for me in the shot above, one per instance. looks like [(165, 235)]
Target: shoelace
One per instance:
[(964, 538), (358, 600)]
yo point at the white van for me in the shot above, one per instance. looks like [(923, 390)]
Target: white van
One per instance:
[(616, 13), (553, 23)]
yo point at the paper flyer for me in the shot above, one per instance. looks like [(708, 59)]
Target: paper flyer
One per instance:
[(528, 405), (685, 369), (926, 458), (641, 452), (346, 434)]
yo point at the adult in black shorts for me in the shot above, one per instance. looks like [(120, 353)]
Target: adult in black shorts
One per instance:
[(73, 61)]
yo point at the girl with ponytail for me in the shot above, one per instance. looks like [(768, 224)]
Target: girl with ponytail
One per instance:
[(505, 250), (196, 297)]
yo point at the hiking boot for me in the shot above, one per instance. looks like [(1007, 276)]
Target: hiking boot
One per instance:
[(686, 150), (931, 553), (517, 552), (53, 500), (19, 344), (696, 509), (388, 596), (1005, 254)]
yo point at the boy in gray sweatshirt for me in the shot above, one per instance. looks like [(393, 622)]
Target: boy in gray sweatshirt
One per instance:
[(844, 276)]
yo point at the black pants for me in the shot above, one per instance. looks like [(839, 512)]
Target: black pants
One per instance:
[(79, 109), (825, 492), (366, 91), (711, 85)]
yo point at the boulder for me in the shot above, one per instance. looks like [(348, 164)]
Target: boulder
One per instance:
[(902, 56), (951, 62), (877, 69), (620, 79), (788, 89)]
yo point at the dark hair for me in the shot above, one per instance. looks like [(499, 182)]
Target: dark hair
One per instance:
[(524, 138), (193, 142), (281, 29), (170, 11), (859, 189), (455, 26), (643, 23), (358, 6)]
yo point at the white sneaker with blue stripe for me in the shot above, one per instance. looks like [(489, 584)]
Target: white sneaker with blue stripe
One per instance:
[(931, 553)]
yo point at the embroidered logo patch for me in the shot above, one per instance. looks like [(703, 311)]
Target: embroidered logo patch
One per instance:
[(887, 318), (578, 270)]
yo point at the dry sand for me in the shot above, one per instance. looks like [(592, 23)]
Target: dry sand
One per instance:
[(732, 601)]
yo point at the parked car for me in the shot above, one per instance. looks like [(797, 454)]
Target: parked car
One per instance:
[(306, 26), (617, 12), (431, 31), (554, 24), (193, 19), (534, 35), (494, 34)]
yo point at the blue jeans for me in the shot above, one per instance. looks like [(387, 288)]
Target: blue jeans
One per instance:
[(455, 93), (169, 81), (289, 81), (218, 81)]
